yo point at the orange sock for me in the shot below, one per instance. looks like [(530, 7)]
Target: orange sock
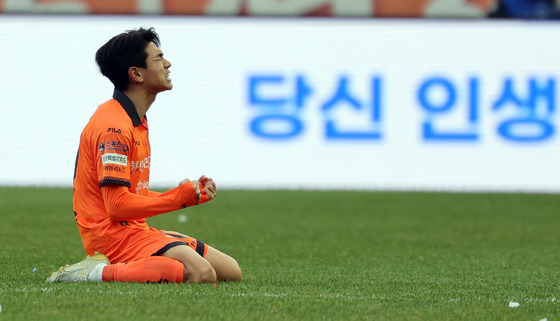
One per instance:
[(155, 269)]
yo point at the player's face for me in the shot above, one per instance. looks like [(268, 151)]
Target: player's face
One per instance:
[(156, 74)]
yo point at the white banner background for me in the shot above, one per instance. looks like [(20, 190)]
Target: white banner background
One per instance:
[(50, 86)]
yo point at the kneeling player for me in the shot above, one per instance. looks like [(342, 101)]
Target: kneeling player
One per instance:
[(111, 196)]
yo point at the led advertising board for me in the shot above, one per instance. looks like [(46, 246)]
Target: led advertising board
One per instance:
[(299, 103)]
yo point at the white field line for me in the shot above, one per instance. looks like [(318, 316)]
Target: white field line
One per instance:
[(380, 298), (337, 296)]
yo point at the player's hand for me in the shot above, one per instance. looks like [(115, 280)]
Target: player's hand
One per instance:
[(196, 186), (208, 187)]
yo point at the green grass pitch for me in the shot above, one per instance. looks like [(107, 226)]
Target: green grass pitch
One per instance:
[(306, 255)]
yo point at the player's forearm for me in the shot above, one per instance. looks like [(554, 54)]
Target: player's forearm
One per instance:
[(122, 205), (153, 193)]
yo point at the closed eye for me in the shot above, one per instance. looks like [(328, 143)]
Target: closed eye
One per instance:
[(158, 57)]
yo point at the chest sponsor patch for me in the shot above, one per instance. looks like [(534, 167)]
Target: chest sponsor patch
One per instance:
[(116, 159)]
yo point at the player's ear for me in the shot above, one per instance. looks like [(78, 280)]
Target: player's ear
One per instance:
[(135, 74)]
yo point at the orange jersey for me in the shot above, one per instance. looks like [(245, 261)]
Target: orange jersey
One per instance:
[(111, 180)]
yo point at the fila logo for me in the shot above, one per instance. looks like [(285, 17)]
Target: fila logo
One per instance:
[(114, 130)]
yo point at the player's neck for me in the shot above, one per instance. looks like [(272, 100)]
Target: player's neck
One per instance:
[(142, 100)]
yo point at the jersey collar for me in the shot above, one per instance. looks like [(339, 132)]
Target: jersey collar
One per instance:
[(128, 106)]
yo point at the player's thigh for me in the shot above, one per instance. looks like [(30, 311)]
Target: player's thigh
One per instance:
[(225, 266), (189, 257)]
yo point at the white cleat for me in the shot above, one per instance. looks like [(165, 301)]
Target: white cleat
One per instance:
[(79, 272)]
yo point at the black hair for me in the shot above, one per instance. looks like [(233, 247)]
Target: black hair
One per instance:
[(124, 51)]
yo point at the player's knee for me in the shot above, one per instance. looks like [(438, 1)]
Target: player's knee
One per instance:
[(233, 272), (203, 273)]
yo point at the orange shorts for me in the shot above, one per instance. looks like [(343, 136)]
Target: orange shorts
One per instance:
[(182, 239), (133, 244)]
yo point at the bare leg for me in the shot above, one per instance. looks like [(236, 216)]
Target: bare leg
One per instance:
[(225, 266), (216, 266), (197, 269)]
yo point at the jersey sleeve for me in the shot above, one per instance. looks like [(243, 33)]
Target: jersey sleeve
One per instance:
[(151, 193), (113, 161), (123, 205)]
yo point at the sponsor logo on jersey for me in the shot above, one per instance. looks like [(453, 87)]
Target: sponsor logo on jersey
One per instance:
[(140, 165), (113, 168), (142, 185), (115, 145), (117, 159)]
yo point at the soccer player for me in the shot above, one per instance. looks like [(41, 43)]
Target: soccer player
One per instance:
[(111, 196)]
